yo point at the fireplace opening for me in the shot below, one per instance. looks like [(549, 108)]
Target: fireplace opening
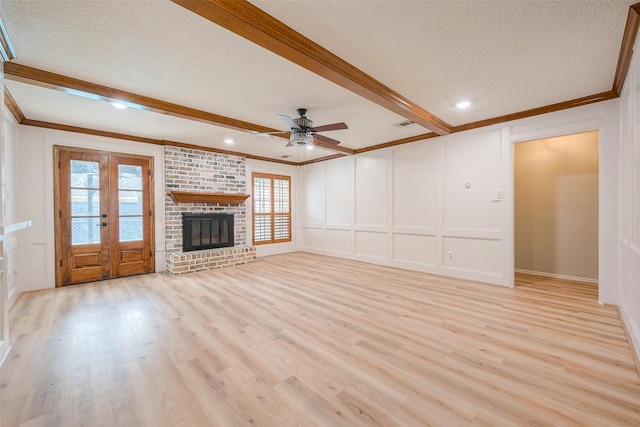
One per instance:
[(206, 231)]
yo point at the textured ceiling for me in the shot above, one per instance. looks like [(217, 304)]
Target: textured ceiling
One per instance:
[(503, 56)]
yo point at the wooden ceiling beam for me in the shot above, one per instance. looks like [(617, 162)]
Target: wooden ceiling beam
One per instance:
[(46, 79), (33, 76), (255, 25)]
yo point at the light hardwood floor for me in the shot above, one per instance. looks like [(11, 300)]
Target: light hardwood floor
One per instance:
[(300, 339)]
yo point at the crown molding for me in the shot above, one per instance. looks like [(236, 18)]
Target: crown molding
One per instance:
[(585, 100), (257, 26), (13, 106), (626, 49), (88, 131), (321, 159), (95, 132), (231, 153), (397, 142)]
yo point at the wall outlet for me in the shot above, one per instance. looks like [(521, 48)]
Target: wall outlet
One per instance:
[(450, 255)]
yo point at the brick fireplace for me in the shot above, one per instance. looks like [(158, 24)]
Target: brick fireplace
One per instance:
[(196, 171)]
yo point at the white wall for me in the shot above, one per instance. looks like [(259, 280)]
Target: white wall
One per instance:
[(629, 203), (34, 172), (10, 280), (407, 206), (275, 169), (13, 240)]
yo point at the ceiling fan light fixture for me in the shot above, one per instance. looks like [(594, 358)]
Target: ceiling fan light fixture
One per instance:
[(301, 138)]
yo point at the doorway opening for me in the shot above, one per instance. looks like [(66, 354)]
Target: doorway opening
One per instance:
[(556, 207), (103, 215)]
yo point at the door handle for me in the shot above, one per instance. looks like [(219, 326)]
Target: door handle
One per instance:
[(103, 215), (104, 224)]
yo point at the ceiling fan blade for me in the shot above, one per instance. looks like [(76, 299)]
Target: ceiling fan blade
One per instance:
[(325, 139), (289, 120), (269, 133), (334, 126)]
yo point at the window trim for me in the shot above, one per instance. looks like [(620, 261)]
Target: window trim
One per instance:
[(271, 214)]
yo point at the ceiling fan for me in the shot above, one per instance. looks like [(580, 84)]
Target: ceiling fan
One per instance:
[(302, 131)]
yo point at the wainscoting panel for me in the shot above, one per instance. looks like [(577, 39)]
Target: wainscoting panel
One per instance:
[(417, 249), (313, 237), (478, 256), (371, 189), (414, 186), (313, 199), (371, 244), (340, 191), (339, 241), (471, 178)]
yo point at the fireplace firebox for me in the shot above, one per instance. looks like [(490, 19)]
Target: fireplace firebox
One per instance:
[(206, 231)]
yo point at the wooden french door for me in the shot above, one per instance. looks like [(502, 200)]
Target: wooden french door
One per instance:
[(103, 215)]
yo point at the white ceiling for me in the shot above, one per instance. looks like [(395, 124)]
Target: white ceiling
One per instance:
[(503, 56)]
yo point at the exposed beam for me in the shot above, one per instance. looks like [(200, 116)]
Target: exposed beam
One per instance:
[(339, 148), (13, 106), (33, 76), (46, 79), (252, 23), (626, 49)]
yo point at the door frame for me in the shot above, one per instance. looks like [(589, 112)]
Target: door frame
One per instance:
[(589, 126), (57, 203)]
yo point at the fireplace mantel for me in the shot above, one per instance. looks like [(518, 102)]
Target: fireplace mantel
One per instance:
[(200, 197)]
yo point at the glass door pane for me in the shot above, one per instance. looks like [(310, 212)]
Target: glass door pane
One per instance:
[(85, 202), (130, 201)]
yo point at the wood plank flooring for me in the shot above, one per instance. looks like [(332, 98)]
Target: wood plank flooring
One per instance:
[(306, 340)]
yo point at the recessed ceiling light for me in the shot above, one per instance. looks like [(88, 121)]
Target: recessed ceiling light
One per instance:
[(463, 104), (119, 105), (309, 147), (228, 141)]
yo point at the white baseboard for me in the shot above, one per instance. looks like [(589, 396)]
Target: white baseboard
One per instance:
[(557, 276)]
